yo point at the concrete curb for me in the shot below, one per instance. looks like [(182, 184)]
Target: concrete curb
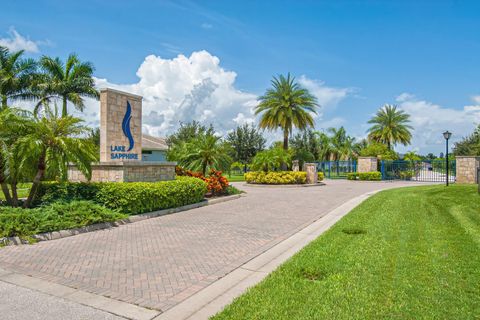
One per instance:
[(219, 294), (106, 225)]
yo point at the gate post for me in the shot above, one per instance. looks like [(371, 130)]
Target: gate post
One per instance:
[(466, 167), (367, 164), (312, 175), (382, 166)]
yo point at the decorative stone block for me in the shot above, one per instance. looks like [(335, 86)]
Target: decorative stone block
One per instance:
[(466, 167), (295, 165), (312, 174), (367, 164)]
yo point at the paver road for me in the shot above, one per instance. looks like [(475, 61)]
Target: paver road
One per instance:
[(159, 262)]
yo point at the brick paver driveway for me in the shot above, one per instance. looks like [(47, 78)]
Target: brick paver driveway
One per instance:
[(159, 262)]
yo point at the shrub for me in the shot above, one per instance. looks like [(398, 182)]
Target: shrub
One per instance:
[(53, 217), (406, 175), (277, 177), (217, 184), (321, 176), (365, 176), (140, 197), (128, 197), (231, 190)]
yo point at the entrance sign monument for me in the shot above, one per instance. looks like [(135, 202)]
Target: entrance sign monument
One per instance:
[(121, 143)]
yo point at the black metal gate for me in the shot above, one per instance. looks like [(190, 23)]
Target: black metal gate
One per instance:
[(422, 170)]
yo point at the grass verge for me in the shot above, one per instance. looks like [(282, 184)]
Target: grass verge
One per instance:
[(410, 253)]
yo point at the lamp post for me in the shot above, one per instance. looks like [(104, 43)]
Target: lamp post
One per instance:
[(447, 134)]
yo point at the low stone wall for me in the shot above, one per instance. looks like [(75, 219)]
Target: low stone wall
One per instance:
[(367, 164), (126, 172), (466, 167)]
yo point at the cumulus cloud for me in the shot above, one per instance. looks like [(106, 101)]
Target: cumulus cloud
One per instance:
[(196, 87), (15, 42), (328, 97), (429, 121)]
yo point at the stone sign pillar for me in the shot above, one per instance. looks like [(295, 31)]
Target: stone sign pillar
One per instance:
[(295, 165), (312, 174), (466, 167), (367, 164), (120, 126)]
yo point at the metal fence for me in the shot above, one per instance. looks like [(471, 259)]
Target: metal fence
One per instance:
[(336, 169), (423, 170)]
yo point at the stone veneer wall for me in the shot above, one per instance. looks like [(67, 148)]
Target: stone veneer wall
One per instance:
[(126, 172), (367, 164), (466, 167), (312, 175), (113, 105)]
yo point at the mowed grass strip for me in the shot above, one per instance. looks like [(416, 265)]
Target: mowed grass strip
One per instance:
[(409, 253)]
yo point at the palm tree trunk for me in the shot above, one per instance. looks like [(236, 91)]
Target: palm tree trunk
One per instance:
[(64, 107), (285, 147), (6, 193), (4, 102), (36, 182), (14, 194)]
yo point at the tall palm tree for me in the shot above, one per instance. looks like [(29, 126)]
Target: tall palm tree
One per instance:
[(52, 144), (16, 75), (390, 126), (286, 106), (205, 153), (70, 81)]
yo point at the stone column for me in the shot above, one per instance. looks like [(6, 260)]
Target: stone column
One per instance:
[(295, 165), (312, 175), (466, 167), (120, 126), (367, 164)]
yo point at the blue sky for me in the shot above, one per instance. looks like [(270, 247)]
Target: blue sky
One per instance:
[(356, 55)]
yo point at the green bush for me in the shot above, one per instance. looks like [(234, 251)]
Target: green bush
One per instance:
[(127, 197), (321, 176), (140, 197), (277, 177), (53, 217), (365, 176)]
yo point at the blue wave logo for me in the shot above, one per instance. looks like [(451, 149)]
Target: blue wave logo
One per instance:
[(126, 126)]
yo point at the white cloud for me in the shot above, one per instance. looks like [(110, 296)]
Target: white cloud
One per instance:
[(328, 97), (206, 25), (429, 121), (183, 89), (15, 42)]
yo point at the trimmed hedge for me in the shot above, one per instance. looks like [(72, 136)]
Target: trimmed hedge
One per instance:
[(128, 197), (365, 176), (321, 176), (57, 216), (140, 197), (276, 177)]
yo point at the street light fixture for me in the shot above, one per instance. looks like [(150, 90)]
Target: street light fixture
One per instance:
[(447, 134)]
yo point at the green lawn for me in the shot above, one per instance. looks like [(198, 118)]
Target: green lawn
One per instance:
[(235, 177), (409, 253), (22, 193)]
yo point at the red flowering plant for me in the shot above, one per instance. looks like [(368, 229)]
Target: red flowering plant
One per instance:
[(217, 184)]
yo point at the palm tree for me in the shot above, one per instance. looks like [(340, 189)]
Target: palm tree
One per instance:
[(390, 126), (52, 144), (14, 123), (286, 105), (271, 159), (70, 81), (16, 75), (204, 153)]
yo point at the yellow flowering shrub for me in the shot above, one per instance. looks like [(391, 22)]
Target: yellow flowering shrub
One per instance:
[(276, 177)]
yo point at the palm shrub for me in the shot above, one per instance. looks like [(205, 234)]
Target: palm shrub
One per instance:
[(52, 143), (204, 153), (271, 159), (390, 126), (286, 106)]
